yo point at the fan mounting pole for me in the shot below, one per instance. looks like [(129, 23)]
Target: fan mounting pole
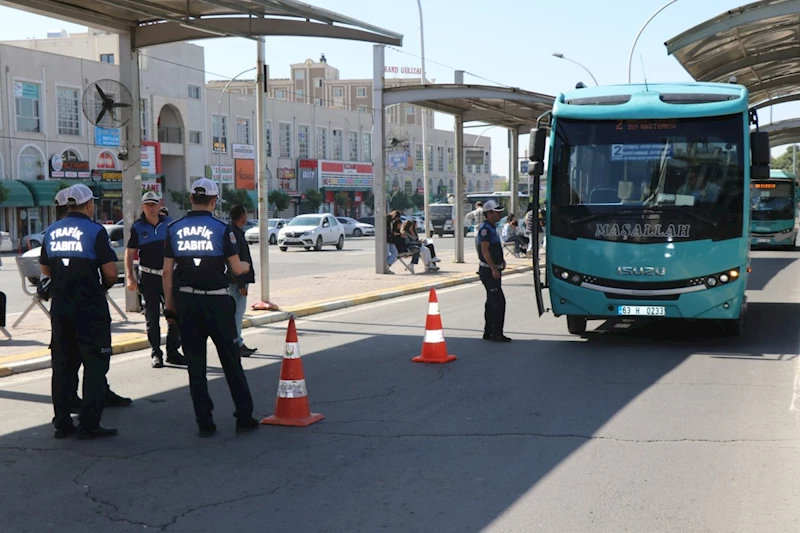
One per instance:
[(262, 164)]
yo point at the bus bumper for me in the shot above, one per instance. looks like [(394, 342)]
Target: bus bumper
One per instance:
[(787, 238), (719, 303)]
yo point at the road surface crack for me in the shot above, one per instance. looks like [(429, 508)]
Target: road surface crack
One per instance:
[(389, 391)]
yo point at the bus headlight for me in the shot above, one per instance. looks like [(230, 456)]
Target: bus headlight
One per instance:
[(564, 274), (711, 281), (724, 278)]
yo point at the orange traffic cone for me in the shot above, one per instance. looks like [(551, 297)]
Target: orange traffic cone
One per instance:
[(434, 349), (291, 407)]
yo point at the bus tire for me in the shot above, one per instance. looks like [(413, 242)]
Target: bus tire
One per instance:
[(735, 327), (576, 324)]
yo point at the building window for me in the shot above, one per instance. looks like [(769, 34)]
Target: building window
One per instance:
[(322, 143), (361, 92), (367, 139), (194, 92), (143, 117), (418, 156), (67, 111), (440, 158), (450, 159), (430, 157), (299, 74), (302, 142), (319, 102), (269, 139), (243, 131), (280, 94), (318, 83), (338, 92), (70, 155), (219, 130), (107, 58), (337, 145), (300, 95), (195, 137), (26, 99), (30, 164), (353, 145), (285, 140), (361, 108), (410, 110), (486, 163)]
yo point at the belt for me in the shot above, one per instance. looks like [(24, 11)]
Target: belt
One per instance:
[(486, 265), (151, 270), (213, 292)]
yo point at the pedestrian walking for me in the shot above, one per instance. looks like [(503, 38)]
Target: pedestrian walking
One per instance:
[(147, 239), (78, 258), (198, 247), (490, 270), (476, 216), (238, 284)]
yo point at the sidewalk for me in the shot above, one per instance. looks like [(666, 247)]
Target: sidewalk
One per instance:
[(28, 349)]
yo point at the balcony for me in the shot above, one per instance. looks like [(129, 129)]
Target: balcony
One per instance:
[(169, 134)]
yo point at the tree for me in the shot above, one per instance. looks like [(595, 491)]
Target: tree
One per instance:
[(342, 200), (417, 200), (313, 199), (400, 202), (231, 197), (3, 193), (279, 199), (181, 198), (784, 161), (369, 201)]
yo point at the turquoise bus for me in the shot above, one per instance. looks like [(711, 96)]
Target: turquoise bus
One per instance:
[(774, 210), (648, 201)]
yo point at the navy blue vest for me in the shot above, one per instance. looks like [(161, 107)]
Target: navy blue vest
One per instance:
[(487, 232), (200, 245), (149, 240)]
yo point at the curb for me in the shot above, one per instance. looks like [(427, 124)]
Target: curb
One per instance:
[(39, 362)]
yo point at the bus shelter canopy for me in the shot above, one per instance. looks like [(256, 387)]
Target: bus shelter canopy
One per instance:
[(507, 107), (154, 22), (758, 44), (783, 132)]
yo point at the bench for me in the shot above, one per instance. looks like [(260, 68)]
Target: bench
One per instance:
[(29, 269), (405, 255)]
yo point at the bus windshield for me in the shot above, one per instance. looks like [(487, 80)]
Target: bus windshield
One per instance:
[(648, 180), (771, 200)]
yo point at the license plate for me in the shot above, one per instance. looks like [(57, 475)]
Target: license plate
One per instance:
[(763, 241), (641, 310)]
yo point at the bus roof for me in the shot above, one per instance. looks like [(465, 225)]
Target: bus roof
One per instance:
[(778, 173), (654, 100)]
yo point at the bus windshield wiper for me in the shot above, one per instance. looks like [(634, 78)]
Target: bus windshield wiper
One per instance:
[(649, 211), (686, 212)]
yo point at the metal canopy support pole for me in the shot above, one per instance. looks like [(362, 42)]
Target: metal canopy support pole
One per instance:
[(460, 185), (379, 157), (513, 177), (131, 174), (263, 169)]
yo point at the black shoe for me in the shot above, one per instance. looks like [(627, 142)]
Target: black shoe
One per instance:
[(157, 362), (64, 431), (501, 338), (75, 405), (177, 359), (246, 425), (487, 336), (206, 430), (113, 399), (96, 433), (244, 351)]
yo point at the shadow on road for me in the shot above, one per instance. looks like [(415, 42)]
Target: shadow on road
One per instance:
[(765, 269)]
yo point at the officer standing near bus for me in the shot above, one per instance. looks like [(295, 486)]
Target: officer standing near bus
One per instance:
[(147, 236), (78, 258), (198, 246), (490, 257)]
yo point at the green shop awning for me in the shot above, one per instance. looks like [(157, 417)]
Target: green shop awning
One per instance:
[(43, 191), (18, 194), (254, 197)]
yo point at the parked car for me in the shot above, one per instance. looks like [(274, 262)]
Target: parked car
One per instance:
[(34, 240), (368, 220), (355, 228), (311, 231), (274, 225), (117, 243)]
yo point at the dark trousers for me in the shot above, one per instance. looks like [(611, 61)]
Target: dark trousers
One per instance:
[(432, 249), (76, 340), (494, 312), (201, 317), (152, 290), (519, 241)]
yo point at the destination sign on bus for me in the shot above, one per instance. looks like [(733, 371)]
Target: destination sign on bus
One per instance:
[(640, 152), (648, 124), (764, 185)]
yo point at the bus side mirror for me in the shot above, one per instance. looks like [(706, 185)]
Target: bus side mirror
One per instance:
[(759, 172), (759, 148), (536, 150)]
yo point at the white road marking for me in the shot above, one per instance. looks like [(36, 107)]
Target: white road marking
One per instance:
[(794, 407)]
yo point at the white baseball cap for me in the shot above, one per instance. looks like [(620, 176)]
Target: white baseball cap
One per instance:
[(61, 197), (491, 205), (79, 194), (151, 197), (205, 187)]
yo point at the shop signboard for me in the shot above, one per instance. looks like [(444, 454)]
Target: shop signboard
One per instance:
[(345, 176)]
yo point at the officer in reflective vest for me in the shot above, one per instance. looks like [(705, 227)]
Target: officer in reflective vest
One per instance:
[(198, 247), (78, 258), (490, 257), (147, 236)]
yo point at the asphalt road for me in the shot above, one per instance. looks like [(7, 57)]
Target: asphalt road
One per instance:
[(358, 252), (654, 427)]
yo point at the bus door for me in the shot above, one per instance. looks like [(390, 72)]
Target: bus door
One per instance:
[(537, 142)]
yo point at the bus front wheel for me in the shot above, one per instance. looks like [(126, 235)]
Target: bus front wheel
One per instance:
[(736, 326), (576, 324)]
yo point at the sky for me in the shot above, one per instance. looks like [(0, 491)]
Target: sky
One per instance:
[(503, 42)]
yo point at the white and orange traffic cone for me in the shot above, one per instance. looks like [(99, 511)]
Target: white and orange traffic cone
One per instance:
[(291, 407), (434, 349)]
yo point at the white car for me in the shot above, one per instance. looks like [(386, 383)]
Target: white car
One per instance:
[(355, 228), (311, 231), (274, 226)]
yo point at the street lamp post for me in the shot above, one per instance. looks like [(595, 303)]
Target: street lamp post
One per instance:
[(219, 130), (630, 56), (565, 58), (425, 186)]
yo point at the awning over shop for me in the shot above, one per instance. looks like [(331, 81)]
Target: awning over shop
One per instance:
[(43, 191), (253, 195), (18, 194)]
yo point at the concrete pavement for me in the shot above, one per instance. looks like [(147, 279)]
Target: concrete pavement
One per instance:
[(662, 427)]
